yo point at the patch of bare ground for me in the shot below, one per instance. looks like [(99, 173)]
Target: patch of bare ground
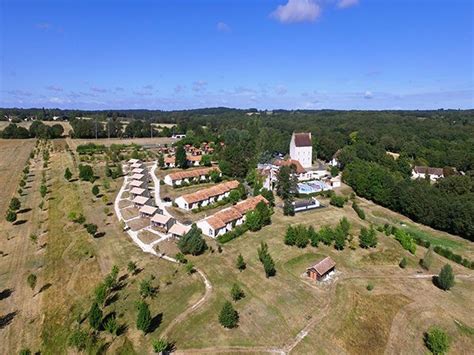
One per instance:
[(139, 223), (147, 237)]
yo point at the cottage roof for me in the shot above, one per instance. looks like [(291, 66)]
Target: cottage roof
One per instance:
[(140, 200), (215, 223), (160, 219), (303, 139), (323, 266), (179, 229), (212, 191), (191, 173), (249, 204), (170, 160), (148, 210), (194, 157), (133, 161), (228, 215), (136, 183), (136, 165), (138, 171), (137, 176), (137, 191)]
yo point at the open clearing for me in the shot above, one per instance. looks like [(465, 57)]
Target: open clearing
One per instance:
[(339, 317), (109, 141)]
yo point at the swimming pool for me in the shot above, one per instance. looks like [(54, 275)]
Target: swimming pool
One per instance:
[(312, 187)]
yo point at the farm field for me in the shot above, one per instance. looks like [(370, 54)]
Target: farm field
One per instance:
[(13, 156), (109, 141)]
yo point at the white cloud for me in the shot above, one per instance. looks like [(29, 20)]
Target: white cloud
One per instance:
[(223, 27), (344, 4), (297, 11), (368, 94)]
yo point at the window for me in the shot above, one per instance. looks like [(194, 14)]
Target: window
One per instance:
[(210, 231)]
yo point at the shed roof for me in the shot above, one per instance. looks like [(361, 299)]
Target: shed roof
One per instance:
[(160, 218), (428, 170), (137, 191), (136, 183), (148, 210), (138, 171), (179, 229), (323, 266), (140, 200), (137, 176)]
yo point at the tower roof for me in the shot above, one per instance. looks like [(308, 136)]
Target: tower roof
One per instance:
[(303, 139)]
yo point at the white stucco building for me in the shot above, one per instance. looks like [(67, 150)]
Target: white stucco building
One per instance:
[(301, 149)]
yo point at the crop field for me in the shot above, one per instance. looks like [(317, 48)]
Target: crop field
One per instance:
[(13, 155)]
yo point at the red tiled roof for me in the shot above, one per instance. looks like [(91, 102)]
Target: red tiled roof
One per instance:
[(289, 162), (249, 204), (228, 215), (303, 139), (192, 173), (215, 222), (323, 266), (212, 191)]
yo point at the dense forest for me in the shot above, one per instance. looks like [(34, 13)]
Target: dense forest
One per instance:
[(360, 139)]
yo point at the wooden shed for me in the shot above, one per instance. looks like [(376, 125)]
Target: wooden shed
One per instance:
[(321, 268)]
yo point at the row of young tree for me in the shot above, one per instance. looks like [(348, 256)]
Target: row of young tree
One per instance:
[(37, 130)]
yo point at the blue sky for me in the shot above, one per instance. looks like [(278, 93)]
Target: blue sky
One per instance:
[(314, 54)]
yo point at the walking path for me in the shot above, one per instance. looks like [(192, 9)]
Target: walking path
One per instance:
[(150, 247)]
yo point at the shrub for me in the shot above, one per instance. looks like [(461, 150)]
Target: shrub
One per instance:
[(111, 325), (143, 317), (445, 279), (427, 259), (234, 233), (67, 174), (337, 201), (181, 258), (15, 204), (367, 238), (370, 286), (132, 267), (360, 212), (11, 216), (91, 228), (43, 190), (160, 345), (95, 190), (86, 173), (437, 341), (228, 316), (240, 263), (31, 280), (405, 240), (403, 263), (147, 289), (78, 339), (189, 267), (236, 292), (95, 316)]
